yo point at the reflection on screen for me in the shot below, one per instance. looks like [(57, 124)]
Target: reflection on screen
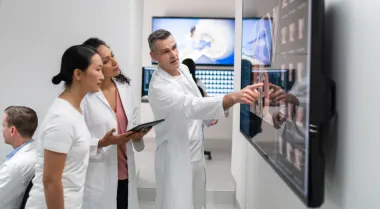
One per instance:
[(206, 41), (257, 41), (278, 122)]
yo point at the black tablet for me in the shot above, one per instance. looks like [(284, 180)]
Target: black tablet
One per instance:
[(146, 126)]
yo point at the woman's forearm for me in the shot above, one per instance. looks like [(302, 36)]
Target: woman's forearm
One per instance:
[(54, 194)]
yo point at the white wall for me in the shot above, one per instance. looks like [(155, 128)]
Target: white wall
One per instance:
[(34, 35), (352, 174), (209, 8)]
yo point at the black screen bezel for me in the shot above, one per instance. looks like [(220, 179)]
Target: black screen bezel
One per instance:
[(142, 81)]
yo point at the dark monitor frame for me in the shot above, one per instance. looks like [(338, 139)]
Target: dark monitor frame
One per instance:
[(196, 17), (142, 83), (321, 116)]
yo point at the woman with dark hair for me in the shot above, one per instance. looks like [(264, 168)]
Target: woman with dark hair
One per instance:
[(96, 43), (111, 181), (64, 139)]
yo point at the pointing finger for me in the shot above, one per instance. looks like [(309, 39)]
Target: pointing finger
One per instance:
[(256, 86)]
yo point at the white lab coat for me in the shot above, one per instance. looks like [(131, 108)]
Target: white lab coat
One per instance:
[(102, 173), (173, 163), (15, 175)]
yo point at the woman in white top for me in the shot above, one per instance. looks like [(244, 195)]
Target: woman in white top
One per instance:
[(64, 140)]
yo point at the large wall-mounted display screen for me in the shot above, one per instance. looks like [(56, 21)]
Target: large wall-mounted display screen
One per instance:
[(282, 49), (208, 41)]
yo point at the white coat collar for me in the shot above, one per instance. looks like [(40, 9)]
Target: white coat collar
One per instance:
[(20, 148), (123, 92), (183, 70)]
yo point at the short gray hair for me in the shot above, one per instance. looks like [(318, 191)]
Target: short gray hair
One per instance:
[(157, 35), (23, 118)]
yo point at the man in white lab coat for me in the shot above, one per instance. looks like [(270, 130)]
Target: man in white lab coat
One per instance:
[(174, 96), (19, 125)]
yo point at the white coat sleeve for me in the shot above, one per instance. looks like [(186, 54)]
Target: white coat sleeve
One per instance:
[(95, 152), (201, 85), (168, 99), (207, 122), (10, 183), (138, 145)]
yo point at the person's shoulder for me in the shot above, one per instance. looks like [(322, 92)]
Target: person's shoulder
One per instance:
[(184, 68), (89, 98), (156, 80), (65, 116), (7, 166), (11, 167), (90, 95), (122, 83), (57, 125), (125, 89), (61, 113), (160, 84), (25, 161)]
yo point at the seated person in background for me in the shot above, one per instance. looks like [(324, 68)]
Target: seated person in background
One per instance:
[(19, 125), (192, 67)]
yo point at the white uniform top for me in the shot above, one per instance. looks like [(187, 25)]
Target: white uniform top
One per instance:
[(195, 128), (64, 131)]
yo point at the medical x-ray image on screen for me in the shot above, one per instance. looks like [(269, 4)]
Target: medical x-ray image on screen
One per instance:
[(257, 40), (205, 40)]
